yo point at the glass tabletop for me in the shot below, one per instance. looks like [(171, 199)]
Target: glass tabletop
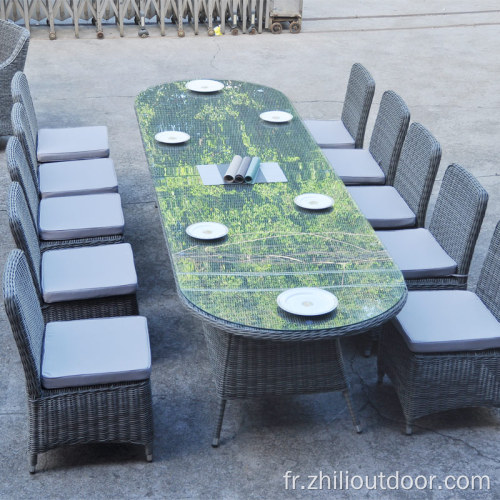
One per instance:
[(272, 244)]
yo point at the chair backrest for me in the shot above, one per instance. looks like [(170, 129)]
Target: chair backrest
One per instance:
[(20, 172), (14, 41), (24, 231), (458, 215), (417, 168), (25, 317), (488, 285), (357, 102), (389, 133), (21, 129), (21, 93)]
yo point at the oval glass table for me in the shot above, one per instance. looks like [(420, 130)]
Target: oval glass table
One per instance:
[(272, 245)]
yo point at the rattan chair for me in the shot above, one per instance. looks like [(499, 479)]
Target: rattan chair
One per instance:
[(442, 351), (349, 131), (62, 222), (60, 144), (439, 257), (79, 282), (78, 177), (377, 165), (80, 407), (405, 203), (14, 41)]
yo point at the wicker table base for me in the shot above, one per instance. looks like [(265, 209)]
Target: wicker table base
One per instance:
[(250, 368)]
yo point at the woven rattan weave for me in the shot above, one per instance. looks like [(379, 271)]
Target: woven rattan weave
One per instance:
[(455, 223), (272, 245), (21, 173), (21, 128), (14, 41), (357, 103), (417, 169), (21, 93), (119, 412), (434, 382), (26, 238), (389, 132)]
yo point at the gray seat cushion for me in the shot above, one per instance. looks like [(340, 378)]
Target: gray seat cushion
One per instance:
[(96, 351), (68, 217), (88, 272), (383, 206), (77, 177), (447, 321), (417, 253), (330, 133), (355, 166), (67, 144)]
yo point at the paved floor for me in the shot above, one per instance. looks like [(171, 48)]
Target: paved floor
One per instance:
[(443, 60)]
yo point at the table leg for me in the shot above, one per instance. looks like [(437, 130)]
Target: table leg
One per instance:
[(218, 427), (354, 417)]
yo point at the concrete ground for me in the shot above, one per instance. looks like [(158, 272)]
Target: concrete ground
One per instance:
[(442, 57)]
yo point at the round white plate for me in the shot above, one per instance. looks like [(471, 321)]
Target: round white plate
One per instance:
[(204, 85), (172, 137), (307, 301), (313, 201), (276, 116), (207, 230)]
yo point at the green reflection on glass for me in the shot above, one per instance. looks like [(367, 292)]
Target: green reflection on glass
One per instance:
[(272, 244)]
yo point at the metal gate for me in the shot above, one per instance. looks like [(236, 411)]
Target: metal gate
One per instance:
[(240, 16)]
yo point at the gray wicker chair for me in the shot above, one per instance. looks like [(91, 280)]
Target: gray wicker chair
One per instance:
[(442, 352), (14, 41), (349, 131), (113, 412), (377, 165), (117, 300), (405, 203), (59, 144), (20, 172), (439, 257), (22, 129), (69, 178)]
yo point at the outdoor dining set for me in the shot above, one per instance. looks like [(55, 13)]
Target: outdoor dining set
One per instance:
[(320, 240)]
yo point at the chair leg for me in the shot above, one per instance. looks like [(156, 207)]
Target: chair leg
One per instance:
[(354, 418), (149, 452), (216, 438), (409, 428), (33, 458)]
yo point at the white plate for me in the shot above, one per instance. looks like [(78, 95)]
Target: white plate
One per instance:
[(172, 137), (204, 85), (313, 201), (207, 230), (276, 116), (307, 301)]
